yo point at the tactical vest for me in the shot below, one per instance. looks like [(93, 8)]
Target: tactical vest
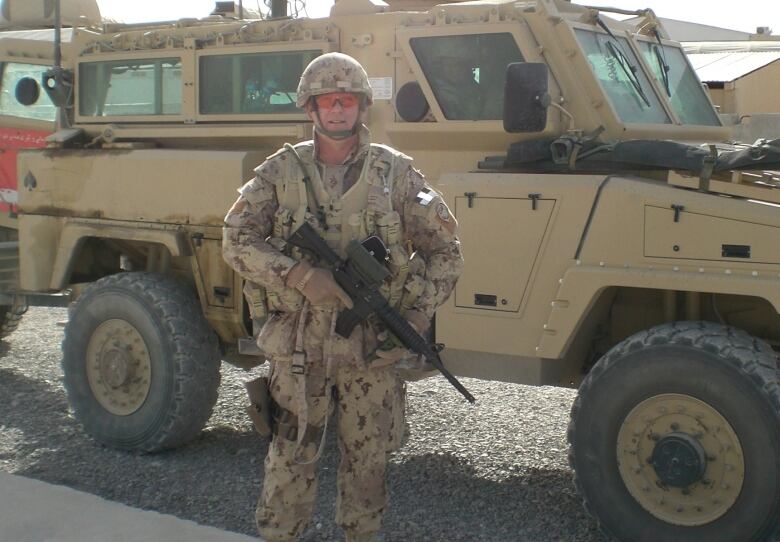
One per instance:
[(365, 209)]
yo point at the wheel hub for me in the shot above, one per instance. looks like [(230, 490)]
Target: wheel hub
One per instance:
[(679, 460), (119, 368), (116, 368)]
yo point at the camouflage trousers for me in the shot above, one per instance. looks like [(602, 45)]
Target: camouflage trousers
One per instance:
[(366, 407)]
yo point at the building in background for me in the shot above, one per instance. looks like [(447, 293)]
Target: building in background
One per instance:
[(739, 74)]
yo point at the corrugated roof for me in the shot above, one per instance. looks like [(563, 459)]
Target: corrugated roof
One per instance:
[(750, 46), (725, 67), (678, 30)]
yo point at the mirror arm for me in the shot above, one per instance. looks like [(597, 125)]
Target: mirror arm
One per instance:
[(569, 116)]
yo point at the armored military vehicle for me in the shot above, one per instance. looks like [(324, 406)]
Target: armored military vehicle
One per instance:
[(613, 241)]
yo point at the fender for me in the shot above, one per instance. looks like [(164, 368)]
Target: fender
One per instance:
[(581, 285), (75, 231)]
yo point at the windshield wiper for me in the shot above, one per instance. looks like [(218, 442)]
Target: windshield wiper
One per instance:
[(625, 64), (629, 69), (660, 56)]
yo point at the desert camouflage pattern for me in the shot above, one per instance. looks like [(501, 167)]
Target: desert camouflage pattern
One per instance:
[(426, 226), (333, 72), (368, 399), (363, 399)]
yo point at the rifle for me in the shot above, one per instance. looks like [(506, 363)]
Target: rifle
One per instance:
[(361, 276)]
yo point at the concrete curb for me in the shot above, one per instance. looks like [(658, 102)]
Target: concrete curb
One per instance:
[(34, 511)]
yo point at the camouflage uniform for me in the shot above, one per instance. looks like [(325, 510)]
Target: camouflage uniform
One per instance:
[(314, 370)]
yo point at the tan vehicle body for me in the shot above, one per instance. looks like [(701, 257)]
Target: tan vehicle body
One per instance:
[(561, 265), (529, 341)]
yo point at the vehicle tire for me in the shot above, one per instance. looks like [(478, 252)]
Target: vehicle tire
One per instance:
[(11, 316), (141, 364), (675, 436)]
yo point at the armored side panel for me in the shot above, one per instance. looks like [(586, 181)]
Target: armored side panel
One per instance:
[(168, 198)]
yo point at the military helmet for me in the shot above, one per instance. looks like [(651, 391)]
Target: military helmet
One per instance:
[(333, 72)]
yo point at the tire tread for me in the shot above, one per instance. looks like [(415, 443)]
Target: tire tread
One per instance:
[(195, 354), (750, 355), (11, 318)]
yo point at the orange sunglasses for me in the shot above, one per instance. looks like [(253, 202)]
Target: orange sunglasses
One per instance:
[(328, 101)]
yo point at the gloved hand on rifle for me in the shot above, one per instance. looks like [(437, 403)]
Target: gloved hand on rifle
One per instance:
[(387, 356), (316, 284)]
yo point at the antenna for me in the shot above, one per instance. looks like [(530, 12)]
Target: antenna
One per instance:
[(56, 81)]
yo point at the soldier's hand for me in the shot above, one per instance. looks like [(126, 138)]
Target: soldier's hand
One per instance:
[(383, 358), (390, 350), (387, 354), (418, 320), (316, 284)]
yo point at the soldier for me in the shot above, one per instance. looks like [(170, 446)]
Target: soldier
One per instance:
[(346, 188)]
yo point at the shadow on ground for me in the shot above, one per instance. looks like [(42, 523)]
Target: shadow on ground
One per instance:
[(219, 476)]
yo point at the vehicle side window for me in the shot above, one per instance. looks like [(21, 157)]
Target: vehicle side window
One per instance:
[(42, 109), (467, 72), (251, 83), (130, 87)]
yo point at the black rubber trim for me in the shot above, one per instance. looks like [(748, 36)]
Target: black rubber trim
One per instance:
[(590, 217)]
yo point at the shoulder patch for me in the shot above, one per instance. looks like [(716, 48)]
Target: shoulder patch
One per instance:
[(425, 196), (442, 212), (443, 216)]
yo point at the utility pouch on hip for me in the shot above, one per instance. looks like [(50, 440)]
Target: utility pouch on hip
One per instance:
[(260, 405)]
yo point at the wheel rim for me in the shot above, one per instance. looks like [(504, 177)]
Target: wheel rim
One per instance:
[(680, 459), (119, 368)]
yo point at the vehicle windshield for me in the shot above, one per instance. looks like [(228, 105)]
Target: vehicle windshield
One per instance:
[(622, 78), (688, 97)]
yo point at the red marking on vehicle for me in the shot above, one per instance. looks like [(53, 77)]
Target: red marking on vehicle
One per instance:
[(11, 140)]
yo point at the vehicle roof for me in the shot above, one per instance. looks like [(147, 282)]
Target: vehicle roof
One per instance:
[(45, 34)]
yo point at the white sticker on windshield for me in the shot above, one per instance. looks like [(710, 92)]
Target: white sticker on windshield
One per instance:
[(382, 87)]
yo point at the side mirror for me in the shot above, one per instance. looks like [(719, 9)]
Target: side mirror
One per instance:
[(27, 91), (525, 97)]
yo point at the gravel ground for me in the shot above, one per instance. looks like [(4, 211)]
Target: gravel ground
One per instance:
[(494, 472)]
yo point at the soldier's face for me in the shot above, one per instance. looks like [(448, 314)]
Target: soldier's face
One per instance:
[(337, 111)]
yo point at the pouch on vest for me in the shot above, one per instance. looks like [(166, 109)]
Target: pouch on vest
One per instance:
[(358, 228), (282, 298), (388, 228), (413, 289), (283, 220), (256, 300), (277, 337)]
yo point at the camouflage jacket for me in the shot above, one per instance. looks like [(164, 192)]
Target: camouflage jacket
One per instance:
[(427, 229)]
